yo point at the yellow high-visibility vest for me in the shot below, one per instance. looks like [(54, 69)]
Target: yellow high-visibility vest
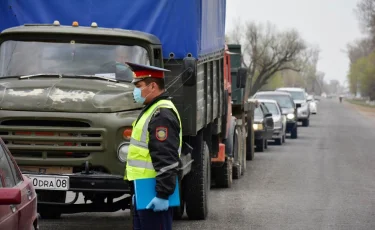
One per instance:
[(139, 163)]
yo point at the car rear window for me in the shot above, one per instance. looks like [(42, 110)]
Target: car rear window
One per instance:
[(283, 100), (258, 113), (272, 108)]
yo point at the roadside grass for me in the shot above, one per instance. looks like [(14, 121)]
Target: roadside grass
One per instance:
[(359, 102)]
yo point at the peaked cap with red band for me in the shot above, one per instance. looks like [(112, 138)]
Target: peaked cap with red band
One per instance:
[(145, 71)]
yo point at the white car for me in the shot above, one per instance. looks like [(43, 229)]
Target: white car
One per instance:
[(279, 120), (313, 104)]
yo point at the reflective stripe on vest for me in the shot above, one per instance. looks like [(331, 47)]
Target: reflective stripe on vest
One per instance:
[(139, 164)]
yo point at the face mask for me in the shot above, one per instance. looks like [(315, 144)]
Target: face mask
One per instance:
[(137, 95)]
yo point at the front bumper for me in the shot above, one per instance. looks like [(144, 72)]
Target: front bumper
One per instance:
[(303, 113), (277, 133), (94, 182)]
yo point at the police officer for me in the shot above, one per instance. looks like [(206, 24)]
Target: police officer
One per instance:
[(155, 146)]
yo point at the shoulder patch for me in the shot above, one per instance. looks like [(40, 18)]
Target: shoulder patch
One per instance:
[(161, 133)]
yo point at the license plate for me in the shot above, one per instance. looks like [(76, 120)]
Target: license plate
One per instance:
[(50, 182)]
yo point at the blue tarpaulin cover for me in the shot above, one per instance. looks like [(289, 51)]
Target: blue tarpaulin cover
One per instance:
[(183, 26)]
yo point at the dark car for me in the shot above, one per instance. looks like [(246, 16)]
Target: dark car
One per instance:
[(263, 126), (18, 203), (289, 109)]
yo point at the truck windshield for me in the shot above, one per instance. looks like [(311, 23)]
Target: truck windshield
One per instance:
[(19, 58)]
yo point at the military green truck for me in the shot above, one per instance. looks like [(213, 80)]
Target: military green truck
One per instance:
[(67, 107), (242, 109)]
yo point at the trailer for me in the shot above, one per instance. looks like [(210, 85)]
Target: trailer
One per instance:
[(68, 114)]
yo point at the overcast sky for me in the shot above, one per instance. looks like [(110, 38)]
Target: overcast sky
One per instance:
[(331, 24)]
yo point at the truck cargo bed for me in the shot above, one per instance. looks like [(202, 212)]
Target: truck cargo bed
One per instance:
[(183, 26), (202, 103)]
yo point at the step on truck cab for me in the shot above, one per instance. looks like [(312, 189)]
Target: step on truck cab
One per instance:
[(67, 106)]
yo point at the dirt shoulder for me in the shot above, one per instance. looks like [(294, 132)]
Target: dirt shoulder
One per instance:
[(364, 109)]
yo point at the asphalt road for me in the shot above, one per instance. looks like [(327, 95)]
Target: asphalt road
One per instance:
[(323, 180)]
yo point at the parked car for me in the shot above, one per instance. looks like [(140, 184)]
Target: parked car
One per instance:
[(313, 104), (279, 120), (299, 98), (288, 108), (18, 202), (263, 127)]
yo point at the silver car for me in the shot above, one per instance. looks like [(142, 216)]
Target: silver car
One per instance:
[(300, 99), (278, 118)]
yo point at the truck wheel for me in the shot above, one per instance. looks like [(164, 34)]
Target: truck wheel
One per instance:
[(306, 122), (294, 133), (249, 140), (243, 151), (48, 196), (283, 138), (198, 182), (223, 175), (236, 163), (260, 144)]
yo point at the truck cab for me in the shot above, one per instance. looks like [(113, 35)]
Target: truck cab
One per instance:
[(67, 108)]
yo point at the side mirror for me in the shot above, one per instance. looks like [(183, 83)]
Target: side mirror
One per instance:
[(268, 115), (10, 196), (241, 77), (189, 68)]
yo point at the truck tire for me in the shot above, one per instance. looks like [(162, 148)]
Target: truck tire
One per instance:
[(260, 143), (223, 175), (236, 164), (48, 196), (243, 151), (198, 182), (249, 141), (294, 133)]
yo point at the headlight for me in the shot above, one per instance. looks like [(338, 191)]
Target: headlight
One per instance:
[(290, 116), (258, 126), (122, 151)]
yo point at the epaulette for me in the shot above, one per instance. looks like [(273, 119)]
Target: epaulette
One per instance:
[(157, 112)]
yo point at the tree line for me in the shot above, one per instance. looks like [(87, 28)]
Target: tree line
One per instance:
[(361, 52), (277, 58)]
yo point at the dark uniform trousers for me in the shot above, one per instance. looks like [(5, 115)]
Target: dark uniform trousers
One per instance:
[(150, 220), (163, 153)]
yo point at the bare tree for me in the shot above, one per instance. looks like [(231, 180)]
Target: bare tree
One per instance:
[(359, 48), (365, 12), (267, 51)]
